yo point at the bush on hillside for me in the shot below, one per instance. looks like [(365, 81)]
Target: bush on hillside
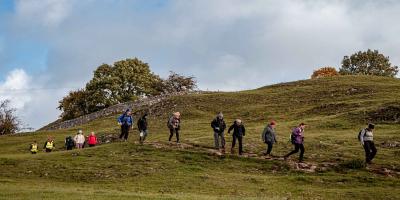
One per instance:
[(125, 80), (9, 122), (324, 72), (368, 63)]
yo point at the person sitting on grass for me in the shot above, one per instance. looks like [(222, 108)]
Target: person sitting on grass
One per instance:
[(49, 145), (238, 132), (269, 137), (34, 147)]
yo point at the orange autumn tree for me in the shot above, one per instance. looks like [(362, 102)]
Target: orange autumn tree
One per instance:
[(324, 72)]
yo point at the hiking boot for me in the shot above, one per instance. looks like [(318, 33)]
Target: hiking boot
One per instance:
[(267, 156)]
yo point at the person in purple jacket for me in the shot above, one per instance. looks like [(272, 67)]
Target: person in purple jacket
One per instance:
[(297, 139)]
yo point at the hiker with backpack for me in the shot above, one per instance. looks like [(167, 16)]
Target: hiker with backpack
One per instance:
[(366, 137), (174, 125), (219, 126), (142, 127), (49, 145), (269, 137), (238, 132), (92, 140), (297, 139), (69, 143), (79, 139), (33, 148), (125, 121)]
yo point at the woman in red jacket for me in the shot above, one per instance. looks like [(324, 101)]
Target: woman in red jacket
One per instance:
[(92, 140)]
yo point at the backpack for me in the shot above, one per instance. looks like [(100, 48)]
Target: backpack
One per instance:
[(69, 142), (168, 122), (292, 136), (359, 134)]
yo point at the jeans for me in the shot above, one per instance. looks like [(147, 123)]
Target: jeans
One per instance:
[(79, 145), (370, 150), (240, 139), (269, 147), (217, 137), (124, 132), (171, 133), (297, 147)]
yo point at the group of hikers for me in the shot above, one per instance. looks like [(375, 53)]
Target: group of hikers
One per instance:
[(79, 141), (218, 125), (268, 135)]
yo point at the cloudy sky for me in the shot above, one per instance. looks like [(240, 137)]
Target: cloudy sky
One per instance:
[(50, 47)]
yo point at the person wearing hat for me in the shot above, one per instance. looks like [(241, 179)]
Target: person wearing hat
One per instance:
[(238, 132), (367, 140), (219, 126), (269, 137), (297, 138), (79, 139), (142, 127), (174, 125), (125, 121)]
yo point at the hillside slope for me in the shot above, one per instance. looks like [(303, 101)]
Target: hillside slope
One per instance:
[(335, 109)]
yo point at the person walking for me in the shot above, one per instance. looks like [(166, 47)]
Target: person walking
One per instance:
[(142, 127), (125, 121), (238, 132), (69, 143), (49, 145), (269, 137), (79, 139), (297, 139), (367, 140), (34, 148), (92, 140), (219, 126), (174, 125)]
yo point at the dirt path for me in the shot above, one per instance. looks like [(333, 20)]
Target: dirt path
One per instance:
[(308, 167)]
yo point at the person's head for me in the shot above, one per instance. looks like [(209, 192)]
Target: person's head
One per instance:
[(128, 112), (302, 125), (272, 124), (220, 115), (92, 133), (371, 126), (238, 121), (49, 138), (80, 131), (177, 115), (34, 141), (145, 115)]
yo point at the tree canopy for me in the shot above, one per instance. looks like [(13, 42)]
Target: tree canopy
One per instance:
[(368, 63)]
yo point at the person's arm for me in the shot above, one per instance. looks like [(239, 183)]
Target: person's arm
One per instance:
[(244, 130), (230, 128), (363, 132), (274, 134), (213, 124), (263, 134)]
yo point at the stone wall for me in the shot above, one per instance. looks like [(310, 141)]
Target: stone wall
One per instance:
[(112, 110)]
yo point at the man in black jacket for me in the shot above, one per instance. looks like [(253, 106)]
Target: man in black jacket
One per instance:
[(238, 132), (142, 126), (219, 126)]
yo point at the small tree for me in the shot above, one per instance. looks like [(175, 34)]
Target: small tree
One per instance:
[(324, 72), (9, 122), (368, 63), (74, 105), (179, 83)]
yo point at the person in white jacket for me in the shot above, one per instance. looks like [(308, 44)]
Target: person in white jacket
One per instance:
[(79, 139), (367, 140)]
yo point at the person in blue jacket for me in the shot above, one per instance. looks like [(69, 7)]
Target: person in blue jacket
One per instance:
[(125, 121)]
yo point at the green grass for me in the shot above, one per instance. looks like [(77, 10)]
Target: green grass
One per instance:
[(334, 108)]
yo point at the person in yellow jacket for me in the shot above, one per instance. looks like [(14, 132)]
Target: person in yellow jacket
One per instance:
[(49, 145), (34, 147)]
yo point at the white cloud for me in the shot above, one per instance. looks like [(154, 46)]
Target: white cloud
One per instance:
[(44, 12), (15, 88)]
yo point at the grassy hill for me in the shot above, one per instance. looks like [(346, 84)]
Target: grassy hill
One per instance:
[(335, 109)]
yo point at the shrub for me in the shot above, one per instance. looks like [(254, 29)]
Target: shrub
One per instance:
[(324, 72)]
